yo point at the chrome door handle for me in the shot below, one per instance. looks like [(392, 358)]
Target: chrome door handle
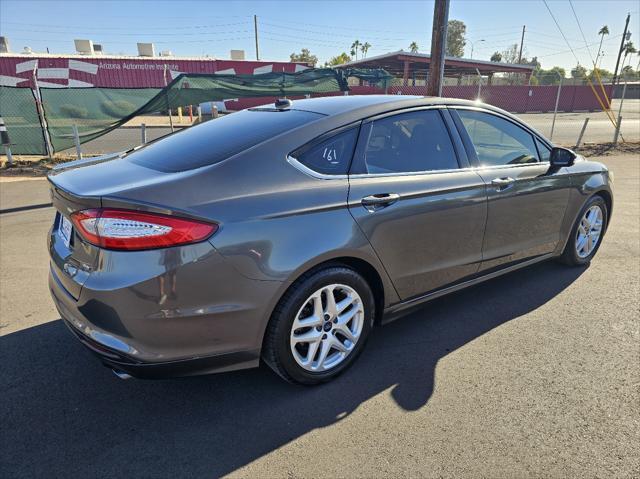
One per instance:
[(503, 183), (376, 202)]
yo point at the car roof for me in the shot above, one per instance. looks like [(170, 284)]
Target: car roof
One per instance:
[(348, 108), (333, 105)]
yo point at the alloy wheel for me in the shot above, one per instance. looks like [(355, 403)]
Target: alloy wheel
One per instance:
[(327, 327), (589, 231)]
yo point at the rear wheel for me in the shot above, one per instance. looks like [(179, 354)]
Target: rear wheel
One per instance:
[(320, 326), (587, 233)]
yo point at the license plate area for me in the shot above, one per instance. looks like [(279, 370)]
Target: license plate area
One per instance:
[(65, 230)]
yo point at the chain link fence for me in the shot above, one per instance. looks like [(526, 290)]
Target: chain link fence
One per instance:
[(18, 109)]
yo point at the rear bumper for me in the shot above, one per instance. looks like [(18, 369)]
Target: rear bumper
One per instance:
[(184, 367), (212, 320)]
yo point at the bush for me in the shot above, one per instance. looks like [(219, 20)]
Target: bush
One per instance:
[(118, 108), (73, 111)]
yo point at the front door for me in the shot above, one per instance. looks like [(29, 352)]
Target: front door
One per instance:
[(422, 213), (526, 200)]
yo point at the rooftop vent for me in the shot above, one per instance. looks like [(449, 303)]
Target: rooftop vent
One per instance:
[(4, 45), (146, 50), (84, 47), (166, 53), (237, 54), (97, 49)]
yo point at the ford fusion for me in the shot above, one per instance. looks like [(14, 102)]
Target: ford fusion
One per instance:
[(283, 234)]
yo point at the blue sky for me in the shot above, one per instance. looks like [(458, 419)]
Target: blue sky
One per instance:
[(196, 28)]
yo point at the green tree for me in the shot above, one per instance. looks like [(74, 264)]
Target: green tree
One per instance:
[(579, 72), (413, 47), (496, 57), (338, 60), (304, 56), (602, 32), (456, 31), (355, 47), (602, 73), (510, 55), (551, 76), (364, 48)]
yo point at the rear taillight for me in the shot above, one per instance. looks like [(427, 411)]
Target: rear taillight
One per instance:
[(135, 230)]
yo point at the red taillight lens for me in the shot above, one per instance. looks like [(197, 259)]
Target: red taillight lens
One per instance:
[(135, 230)]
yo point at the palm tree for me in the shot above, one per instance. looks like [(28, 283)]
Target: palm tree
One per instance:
[(355, 47), (628, 49), (602, 32), (413, 48), (365, 48)]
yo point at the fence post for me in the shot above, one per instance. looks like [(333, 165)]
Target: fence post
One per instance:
[(199, 114), (4, 136), (40, 109), (76, 140), (618, 124), (214, 111), (479, 83), (143, 131), (555, 110), (624, 92), (584, 127)]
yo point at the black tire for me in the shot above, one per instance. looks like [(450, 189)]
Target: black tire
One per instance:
[(570, 255), (276, 347)]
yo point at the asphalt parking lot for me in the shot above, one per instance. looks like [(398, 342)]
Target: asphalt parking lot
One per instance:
[(534, 374)]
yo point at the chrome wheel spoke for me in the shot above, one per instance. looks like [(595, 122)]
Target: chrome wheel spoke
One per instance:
[(346, 332), (331, 307), (325, 347), (340, 346), (308, 337)]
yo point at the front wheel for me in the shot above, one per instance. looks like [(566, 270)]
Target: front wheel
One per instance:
[(320, 326), (587, 232)]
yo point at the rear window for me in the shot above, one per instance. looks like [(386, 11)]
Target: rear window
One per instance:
[(217, 140)]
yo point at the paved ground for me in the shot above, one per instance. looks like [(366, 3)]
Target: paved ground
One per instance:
[(566, 131), (531, 375)]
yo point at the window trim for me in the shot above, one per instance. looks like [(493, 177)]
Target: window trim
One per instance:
[(366, 123), (293, 161), (467, 142)]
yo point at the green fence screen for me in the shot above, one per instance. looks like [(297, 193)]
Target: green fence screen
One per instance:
[(19, 111), (96, 111)]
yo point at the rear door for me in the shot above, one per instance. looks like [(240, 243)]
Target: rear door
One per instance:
[(526, 200), (413, 195)]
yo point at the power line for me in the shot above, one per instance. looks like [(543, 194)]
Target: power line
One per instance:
[(560, 30), (582, 33)]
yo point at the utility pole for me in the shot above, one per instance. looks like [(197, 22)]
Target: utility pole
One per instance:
[(255, 30), (624, 38), (438, 43), (521, 44)]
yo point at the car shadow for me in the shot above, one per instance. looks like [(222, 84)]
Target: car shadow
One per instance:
[(63, 414)]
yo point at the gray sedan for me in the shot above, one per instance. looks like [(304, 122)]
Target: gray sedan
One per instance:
[(284, 233)]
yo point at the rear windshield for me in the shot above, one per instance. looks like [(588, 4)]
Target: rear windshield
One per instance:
[(217, 140)]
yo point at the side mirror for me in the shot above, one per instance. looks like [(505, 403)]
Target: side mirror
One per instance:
[(562, 157)]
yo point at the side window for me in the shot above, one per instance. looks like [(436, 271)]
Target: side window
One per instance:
[(498, 141), (329, 156), (407, 142), (543, 150)]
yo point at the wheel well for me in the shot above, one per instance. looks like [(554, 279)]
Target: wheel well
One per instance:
[(370, 274), (363, 268), (606, 196)]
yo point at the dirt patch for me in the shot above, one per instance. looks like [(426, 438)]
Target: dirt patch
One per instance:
[(606, 149), (31, 167)]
